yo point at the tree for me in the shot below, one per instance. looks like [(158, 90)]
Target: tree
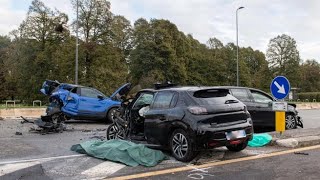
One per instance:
[(30, 59), (254, 69), (310, 76), (283, 58), (5, 42), (158, 52)]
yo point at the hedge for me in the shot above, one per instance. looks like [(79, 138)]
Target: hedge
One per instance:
[(309, 96)]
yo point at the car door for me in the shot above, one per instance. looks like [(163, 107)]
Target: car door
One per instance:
[(90, 105), (264, 115), (157, 118), (143, 99)]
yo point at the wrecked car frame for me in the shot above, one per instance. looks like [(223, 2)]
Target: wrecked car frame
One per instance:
[(184, 120)]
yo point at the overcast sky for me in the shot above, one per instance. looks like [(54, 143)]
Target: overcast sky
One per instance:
[(259, 21)]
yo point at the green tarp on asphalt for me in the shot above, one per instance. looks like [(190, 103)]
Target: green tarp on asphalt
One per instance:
[(122, 151), (260, 140)]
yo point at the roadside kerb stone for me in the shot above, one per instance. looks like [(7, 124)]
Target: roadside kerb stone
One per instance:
[(296, 138), (13, 113), (302, 106)]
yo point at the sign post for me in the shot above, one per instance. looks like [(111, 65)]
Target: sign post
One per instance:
[(280, 88)]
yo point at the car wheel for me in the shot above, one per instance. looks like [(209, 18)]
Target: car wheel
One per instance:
[(238, 147), (112, 132), (181, 146), (291, 122), (111, 114)]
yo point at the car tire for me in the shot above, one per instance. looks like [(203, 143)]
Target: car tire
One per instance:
[(110, 114), (112, 132), (181, 146), (238, 147), (291, 121)]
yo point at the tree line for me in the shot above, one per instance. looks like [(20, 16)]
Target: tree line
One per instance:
[(112, 51)]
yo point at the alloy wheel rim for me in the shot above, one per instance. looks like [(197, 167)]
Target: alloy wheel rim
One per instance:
[(290, 122), (179, 145), (113, 132)]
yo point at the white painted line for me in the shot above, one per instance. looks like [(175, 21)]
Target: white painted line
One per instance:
[(103, 169), (9, 168), (42, 159)]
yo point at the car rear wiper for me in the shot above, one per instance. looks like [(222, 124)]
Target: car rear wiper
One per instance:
[(231, 101)]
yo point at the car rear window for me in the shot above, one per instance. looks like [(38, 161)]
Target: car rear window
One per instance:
[(213, 96)]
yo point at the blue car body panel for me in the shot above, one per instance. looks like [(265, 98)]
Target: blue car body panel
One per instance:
[(76, 106)]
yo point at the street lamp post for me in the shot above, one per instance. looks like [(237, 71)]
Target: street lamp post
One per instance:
[(237, 45), (77, 44)]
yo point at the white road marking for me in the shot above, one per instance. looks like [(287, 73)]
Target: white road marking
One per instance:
[(9, 168), (103, 169), (42, 159)]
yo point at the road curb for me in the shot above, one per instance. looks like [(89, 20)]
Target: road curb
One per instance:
[(296, 142)]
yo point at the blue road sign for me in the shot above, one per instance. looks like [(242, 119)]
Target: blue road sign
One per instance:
[(280, 87)]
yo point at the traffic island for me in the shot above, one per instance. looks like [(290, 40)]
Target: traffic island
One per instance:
[(296, 138)]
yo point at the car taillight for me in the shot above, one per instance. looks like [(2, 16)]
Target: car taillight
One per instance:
[(197, 110)]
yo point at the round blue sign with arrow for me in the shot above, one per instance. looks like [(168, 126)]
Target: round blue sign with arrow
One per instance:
[(280, 87)]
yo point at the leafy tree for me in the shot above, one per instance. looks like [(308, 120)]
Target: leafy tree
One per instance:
[(157, 52), (310, 76), (94, 19), (30, 55), (283, 57), (254, 69), (5, 42)]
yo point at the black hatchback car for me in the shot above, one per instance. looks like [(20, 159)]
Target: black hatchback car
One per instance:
[(184, 120), (259, 104)]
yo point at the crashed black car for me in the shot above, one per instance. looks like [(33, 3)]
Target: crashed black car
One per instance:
[(184, 120), (259, 104)]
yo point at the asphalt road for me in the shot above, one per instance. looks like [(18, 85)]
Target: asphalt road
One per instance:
[(287, 166), (311, 118), (35, 156)]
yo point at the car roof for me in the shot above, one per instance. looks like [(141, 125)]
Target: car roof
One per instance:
[(196, 88), (180, 88)]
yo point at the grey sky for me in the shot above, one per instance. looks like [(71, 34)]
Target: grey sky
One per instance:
[(259, 21)]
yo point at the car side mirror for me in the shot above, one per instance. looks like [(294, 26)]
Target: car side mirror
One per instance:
[(100, 97)]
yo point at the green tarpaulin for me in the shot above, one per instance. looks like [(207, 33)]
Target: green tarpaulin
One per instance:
[(260, 140), (122, 151)]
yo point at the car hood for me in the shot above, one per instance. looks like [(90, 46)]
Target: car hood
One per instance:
[(48, 86), (122, 91)]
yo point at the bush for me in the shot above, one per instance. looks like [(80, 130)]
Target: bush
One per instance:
[(309, 95)]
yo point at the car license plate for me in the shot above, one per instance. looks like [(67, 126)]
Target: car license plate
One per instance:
[(235, 134)]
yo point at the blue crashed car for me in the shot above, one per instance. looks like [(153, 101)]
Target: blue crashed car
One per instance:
[(80, 102)]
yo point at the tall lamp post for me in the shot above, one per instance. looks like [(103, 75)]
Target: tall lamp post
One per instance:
[(77, 44), (237, 45)]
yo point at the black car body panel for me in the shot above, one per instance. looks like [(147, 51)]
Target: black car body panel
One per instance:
[(259, 104), (226, 114)]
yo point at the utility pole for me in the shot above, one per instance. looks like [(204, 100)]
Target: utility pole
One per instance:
[(237, 45), (77, 44)]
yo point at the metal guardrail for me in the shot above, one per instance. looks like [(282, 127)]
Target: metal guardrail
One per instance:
[(36, 101)]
